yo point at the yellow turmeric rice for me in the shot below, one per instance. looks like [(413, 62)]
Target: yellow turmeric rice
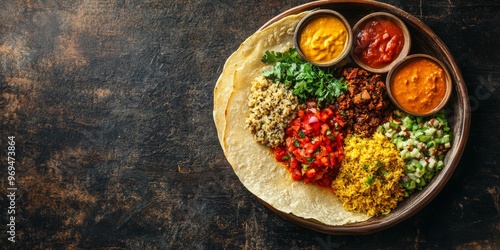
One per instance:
[(369, 176)]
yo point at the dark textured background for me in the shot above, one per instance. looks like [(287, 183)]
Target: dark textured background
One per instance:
[(111, 101)]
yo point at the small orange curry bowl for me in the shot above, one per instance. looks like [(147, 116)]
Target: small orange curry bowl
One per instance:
[(323, 38), (419, 85), (380, 41)]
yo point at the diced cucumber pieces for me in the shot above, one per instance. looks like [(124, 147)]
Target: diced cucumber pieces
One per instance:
[(422, 143)]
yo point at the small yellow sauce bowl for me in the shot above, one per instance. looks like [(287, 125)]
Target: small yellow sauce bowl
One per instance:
[(420, 85), (323, 38)]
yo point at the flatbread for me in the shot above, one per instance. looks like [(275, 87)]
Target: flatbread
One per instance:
[(252, 162), (247, 57), (222, 91)]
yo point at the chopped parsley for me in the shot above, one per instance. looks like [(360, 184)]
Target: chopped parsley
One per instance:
[(306, 80)]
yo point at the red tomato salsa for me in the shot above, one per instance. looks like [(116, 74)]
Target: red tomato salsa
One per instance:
[(314, 145), (379, 42)]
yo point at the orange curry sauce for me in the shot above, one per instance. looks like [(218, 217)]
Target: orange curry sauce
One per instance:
[(419, 86)]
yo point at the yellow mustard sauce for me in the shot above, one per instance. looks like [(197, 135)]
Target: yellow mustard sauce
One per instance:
[(323, 39), (419, 86)]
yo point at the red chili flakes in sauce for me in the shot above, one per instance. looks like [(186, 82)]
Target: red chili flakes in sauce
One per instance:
[(314, 145), (379, 42)]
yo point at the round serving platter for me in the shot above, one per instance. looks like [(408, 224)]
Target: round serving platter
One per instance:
[(425, 41)]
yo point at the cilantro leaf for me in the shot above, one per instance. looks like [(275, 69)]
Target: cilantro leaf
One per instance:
[(306, 80)]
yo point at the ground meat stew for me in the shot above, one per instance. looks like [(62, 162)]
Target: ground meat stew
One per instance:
[(366, 104)]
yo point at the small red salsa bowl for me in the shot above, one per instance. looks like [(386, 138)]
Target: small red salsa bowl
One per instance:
[(380, 40)]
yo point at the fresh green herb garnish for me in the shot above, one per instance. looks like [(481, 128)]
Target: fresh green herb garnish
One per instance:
[(306, 80), (384, 173), (290, 56), (369, 180), (302, 134)]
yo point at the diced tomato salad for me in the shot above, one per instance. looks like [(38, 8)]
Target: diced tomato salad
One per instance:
[(314, 145)]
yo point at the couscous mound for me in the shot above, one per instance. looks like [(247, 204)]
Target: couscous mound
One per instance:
[(369, 177)]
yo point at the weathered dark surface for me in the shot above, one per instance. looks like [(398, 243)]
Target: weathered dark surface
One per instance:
[(110, 103)]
